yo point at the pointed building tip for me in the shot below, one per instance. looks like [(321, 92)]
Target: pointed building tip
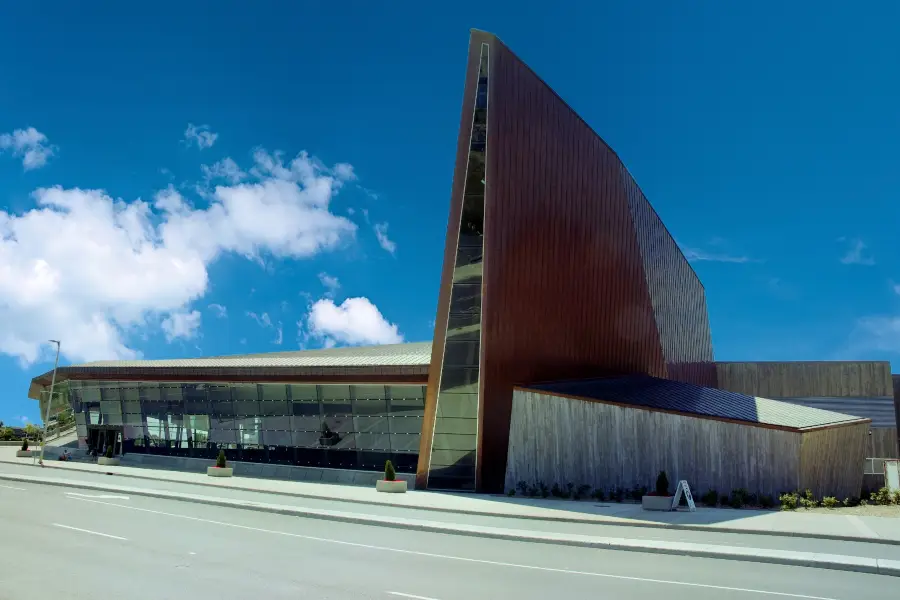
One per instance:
[(475, 30)]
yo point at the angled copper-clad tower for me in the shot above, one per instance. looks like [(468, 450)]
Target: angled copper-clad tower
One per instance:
[(555, 267)]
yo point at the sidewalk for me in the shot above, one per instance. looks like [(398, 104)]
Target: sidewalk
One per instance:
[(834, 525)]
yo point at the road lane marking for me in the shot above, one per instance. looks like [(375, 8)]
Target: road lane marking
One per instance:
[(402, 595), (9, 487), (461, 558), (99, 497), (115, 537), (861, 526)]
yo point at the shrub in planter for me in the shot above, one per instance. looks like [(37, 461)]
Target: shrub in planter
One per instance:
[(24, 447), (710, 498), (390, 483), (109, 451), (389, 473), (220, 460), (830, 502), (789, 501), (662, 484)]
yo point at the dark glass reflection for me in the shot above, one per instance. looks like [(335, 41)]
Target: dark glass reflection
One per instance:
[(452, 461), (336, 426)]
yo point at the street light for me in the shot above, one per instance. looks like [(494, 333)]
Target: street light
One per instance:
[(49, 401)]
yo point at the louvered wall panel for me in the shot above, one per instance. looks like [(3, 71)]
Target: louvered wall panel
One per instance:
[(564, 290), (677, 296)]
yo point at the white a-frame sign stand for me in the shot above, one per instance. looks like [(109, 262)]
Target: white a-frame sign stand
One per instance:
[(684, 488)]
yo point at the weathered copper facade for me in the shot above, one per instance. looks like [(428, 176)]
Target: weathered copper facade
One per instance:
[(580, 278)]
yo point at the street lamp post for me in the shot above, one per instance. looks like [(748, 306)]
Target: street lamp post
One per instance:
[(49, 401)]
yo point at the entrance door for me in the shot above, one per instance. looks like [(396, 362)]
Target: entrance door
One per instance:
[(99, 438)]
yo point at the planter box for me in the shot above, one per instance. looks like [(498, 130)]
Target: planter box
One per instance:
[(391, 487), (657, 502), (220, 471), (24, 453), (109, 462)]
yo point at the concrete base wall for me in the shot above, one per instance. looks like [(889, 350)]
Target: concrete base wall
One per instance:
[(246, 469)]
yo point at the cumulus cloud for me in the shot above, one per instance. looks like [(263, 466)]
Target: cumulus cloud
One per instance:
[(28, 144), (219, 310), (383, 240), (200, 135), (225, 169), (354, 322), (184, 325), (91, 270)]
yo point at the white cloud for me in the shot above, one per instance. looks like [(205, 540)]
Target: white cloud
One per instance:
[(356, 321), (265, 321), (876, 334), (30, 145), (383, 240), (225, 169), (331, 283), (184, 325), (92, 270), (219, 310), (200, 135), (697, 255), (855, 254), (344, 171)]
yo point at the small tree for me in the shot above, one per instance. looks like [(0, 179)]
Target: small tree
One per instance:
[(109, 451), (389, 473), (25, 445), (220, 461), (662, 484)]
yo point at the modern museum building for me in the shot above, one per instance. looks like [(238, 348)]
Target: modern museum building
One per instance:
[(571, 344)]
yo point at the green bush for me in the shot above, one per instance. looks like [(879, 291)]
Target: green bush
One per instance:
[(220, 461), (618, 494), (789, 501), (109, 451), (710, 498), (389, 473), (543, 489), (24, 445), (883, 497), (766, 501), (738, 498), (662, 484), (511, 492), (582, 491), (830, 502), (807, 500), (522, 486), (724, 500), (599, 495)]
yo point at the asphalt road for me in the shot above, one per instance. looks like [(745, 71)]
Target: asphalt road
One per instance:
[(798, 544), (66, 543)]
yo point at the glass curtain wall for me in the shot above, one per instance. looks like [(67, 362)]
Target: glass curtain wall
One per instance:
[(452, 464), (328, 425)]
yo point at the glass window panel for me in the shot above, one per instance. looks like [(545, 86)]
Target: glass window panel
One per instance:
[(223, 436), (108, 407), (463, 322), (149, 392), (307, 409), (370, 407), (75, 384), (457, 405), (461, 353), (244, 392), (408, 406), (277, 438), (313, 424), (108, 393), (373, 441), (90, 394), (459, 380), (274, 391), (196, 400), (447, 441), (335, 392), (275, 423), (372, 424), (456, 426), (405, 442), (406, 424), (406, 391), (246, 408), (341, 425), (275, 408), (368, 392), (170, 392), (80, 419), (131, 393), (112, 419), (305, 439), (133, 419), (246, 423), (469, 256), (465, 298), (304, 392), (337, 408), (81, 430)]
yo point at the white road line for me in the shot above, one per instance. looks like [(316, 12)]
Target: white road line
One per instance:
[(861, 526), (115, 537), (9, 487), (461, 558), (402, 595), (100, 497)]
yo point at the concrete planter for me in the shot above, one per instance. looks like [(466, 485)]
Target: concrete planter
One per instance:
[(391, 487), (24, 453), (657, 502), (220, 471), (109, 462)]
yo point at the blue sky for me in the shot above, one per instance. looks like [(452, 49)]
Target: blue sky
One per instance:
[(163, 178)]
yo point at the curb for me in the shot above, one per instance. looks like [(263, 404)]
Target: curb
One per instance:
[(760, 555), (552, 518)]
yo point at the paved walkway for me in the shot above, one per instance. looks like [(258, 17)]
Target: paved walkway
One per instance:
[(832, 525)]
